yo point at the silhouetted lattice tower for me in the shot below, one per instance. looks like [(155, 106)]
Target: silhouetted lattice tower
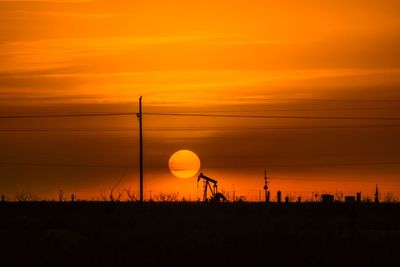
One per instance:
[(266, 182)]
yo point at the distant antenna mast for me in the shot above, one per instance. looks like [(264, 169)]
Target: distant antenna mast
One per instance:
[(266, 182), (140, 117)]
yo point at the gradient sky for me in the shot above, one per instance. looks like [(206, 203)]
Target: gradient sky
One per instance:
[(290, 58)]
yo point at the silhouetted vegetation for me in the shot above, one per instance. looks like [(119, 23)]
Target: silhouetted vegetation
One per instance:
[(131, 196), (162, 197), (197, 234), (26, 196)]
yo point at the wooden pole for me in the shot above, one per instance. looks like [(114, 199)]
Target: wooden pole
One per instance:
[(140, 115)]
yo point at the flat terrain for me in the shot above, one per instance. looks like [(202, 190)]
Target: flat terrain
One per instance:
[(195, 234)]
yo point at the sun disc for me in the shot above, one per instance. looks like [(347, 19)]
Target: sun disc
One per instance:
[(184, 164)]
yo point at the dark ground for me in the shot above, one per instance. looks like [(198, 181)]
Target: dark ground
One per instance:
[(193, 234)]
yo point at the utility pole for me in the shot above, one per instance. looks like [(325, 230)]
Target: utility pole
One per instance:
[(140, 117)]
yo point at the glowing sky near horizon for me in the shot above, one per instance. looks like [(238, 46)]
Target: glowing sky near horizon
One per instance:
[(313, 58)]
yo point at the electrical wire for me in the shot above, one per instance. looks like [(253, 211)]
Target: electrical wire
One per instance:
[(206, 128), (195, 115), (270, 165), (272, 116), (66, 115), (64, 165)]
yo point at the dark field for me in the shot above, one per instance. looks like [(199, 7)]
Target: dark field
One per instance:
[(194, 234)]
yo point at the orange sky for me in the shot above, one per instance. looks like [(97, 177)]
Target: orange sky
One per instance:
[(312, 58)]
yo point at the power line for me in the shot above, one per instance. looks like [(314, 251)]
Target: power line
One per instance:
[(366, 100), (334, 164), (308, 165), (196, 115), (205, 128), (323, 100), (65, 130), (326, 108), (272, 116), (66, 115), (63, 165)]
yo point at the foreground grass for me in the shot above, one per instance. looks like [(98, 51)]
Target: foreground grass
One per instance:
[(194, 234)]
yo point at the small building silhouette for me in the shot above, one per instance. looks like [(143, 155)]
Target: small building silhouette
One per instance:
[(350, 199), (279, 196), (327, 198)]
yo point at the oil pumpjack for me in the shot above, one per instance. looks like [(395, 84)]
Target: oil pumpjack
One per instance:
[(215, 195)]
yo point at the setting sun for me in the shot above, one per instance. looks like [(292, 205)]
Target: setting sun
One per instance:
[(184, 164)]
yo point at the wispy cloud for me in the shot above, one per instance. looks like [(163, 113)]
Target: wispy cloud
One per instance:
[(47, 1), (30, 15), (195, 87), (57, 52)]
